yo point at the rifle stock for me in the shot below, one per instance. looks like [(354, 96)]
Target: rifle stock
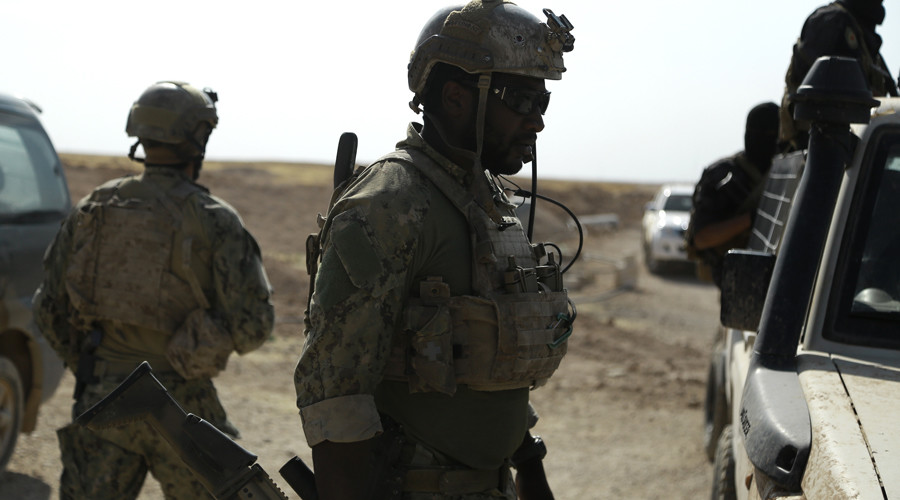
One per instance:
[(225, 469)]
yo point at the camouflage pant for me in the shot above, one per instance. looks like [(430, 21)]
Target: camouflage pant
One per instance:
[(112, 464)]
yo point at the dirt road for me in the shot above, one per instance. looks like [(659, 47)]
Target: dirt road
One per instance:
[(621, 419)]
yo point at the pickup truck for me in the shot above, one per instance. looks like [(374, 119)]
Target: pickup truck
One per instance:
[(802, 397)]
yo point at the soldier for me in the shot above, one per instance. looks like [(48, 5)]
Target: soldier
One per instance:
[(842, 28), (725, 198), (151, 267), (423, 339)]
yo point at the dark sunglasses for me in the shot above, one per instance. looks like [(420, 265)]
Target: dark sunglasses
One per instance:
[(523, 101)]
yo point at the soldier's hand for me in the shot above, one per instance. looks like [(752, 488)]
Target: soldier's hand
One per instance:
[(531, 482), (342, 469)]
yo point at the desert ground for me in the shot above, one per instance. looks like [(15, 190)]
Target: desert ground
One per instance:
[(622, 418)]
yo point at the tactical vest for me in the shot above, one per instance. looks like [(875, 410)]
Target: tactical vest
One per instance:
[(512, 333), (125, 251)]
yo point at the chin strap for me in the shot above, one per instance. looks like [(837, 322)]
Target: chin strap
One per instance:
[(132, 151), (196, 161), (534, 197), (484, 84)]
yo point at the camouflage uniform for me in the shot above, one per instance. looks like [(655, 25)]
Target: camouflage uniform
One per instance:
[(833, 30), (393, 230), (210, 293)]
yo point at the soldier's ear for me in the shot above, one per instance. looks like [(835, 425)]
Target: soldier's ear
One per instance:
[(457, 100)]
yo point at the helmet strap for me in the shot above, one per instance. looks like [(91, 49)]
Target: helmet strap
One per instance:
[(534, 197), (132, 151), (196, 160), (484, 83)]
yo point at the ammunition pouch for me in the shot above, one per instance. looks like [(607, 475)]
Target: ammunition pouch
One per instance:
[(509, 341)]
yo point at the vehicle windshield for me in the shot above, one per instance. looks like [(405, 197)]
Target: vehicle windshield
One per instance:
[(878, 281), (678, 202), (869, 311), (31, 179)]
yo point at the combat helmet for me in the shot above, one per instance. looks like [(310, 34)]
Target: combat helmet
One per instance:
[(171, 112), (488, 36)]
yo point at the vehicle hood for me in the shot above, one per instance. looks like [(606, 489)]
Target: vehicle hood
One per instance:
[(856, 444)]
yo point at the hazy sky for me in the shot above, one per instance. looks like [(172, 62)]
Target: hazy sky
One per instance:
[(655, 90)]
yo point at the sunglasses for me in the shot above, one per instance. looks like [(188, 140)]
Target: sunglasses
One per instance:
[(523, 101)]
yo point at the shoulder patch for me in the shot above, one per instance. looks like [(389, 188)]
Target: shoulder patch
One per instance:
[(357, 250)]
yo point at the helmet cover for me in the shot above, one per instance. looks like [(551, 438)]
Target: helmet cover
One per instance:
[(170, 112), (487, 36)]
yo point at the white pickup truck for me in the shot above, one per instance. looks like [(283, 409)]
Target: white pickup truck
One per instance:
[(803, 398)]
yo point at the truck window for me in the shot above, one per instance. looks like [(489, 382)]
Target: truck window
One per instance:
[(877, 283), (30, 174), (869, 309)]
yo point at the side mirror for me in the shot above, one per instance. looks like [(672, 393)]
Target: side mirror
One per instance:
[(745, 282)]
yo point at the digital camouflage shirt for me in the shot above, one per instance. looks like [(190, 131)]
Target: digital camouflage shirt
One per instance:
[(390, 230), (223, 259)]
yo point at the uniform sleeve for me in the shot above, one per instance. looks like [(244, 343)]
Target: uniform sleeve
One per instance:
[(360, 290), (242, 290), (51, 307)]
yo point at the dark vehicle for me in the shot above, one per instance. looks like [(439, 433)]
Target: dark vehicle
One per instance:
[(34, 198)]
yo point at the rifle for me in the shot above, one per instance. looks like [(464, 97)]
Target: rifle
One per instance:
[(225, 469), (345, 160)]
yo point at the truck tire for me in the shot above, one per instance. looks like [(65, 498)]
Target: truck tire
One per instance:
[(723, 487), (715, 407), (11, 407)]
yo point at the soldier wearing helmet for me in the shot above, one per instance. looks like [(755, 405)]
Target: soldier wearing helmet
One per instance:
[(151, 267), (432, 314), (842, 28)]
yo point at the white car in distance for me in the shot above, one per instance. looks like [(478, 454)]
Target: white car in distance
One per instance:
[(665, 221)]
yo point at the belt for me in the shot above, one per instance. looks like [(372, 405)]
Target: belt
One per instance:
[(455, 481), (106, 368)]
